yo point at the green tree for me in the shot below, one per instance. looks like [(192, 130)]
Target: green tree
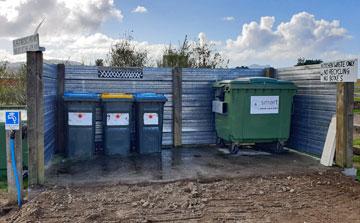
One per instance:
[(173, 57), (13, 85), (125, 54), (302, 61), (198, 54), (204, 56), (99, 62)]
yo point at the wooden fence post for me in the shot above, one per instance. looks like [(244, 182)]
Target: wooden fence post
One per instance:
[(177, 106), (344, 124), (35, 113), (60, 108), (270, 72), (12, 191)]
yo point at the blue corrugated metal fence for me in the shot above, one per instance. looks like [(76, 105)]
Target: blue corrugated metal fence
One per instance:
[(50, 100), (314, 105)]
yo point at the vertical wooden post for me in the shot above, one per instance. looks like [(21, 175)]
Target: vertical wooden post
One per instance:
[(12, 191), (60, 108), (177, 106), (344, 124), (270, 72), (35, 115)]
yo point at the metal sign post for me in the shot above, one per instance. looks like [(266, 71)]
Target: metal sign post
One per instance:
[(14, 156)]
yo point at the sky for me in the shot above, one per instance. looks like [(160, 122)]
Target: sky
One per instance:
[(264, 32)]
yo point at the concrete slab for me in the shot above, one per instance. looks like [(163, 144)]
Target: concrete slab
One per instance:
[(177, 164)]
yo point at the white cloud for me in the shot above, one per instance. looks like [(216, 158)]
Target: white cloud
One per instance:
[(228, 18), (84, 48), (139, 9), (302, 36), (71, 31), (20, 17)]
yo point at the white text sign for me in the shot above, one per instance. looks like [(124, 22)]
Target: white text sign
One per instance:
[(80, 118), (28, 43), (151, 119), (339, 71), (264, 105), (117, 119)]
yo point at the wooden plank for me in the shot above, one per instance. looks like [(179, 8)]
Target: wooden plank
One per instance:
[(344, 124), (177, 106), (60, 108), (12, 191), (269, 72), (350, 123), (31, 86), (40, 118), (35, 113), (327, 158)]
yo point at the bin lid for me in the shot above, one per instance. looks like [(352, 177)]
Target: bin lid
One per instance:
[(256, 82), (116, 96), (81, 96), (150, 97)]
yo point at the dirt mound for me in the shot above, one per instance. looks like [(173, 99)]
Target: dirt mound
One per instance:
[(321, 197)]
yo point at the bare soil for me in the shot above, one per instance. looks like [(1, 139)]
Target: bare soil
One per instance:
[(314, 197)]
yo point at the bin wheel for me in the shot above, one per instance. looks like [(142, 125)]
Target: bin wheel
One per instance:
[(278, 148), (234, 149), (220, 142)]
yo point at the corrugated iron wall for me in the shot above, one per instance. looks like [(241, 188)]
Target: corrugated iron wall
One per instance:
[(198, 119), (198, 123), (50, 101), (314, 105)]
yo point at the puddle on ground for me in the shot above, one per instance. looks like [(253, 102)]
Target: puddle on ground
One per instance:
[(167, 165)]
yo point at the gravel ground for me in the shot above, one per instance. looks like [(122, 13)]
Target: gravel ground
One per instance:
[(316, 197)]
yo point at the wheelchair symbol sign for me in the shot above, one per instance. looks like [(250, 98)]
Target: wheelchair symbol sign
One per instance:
[(12, 120)]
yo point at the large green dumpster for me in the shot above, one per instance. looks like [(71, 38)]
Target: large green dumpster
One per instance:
[(149, 122), (253, 110)]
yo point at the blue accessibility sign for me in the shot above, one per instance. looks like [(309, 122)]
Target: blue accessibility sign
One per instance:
[(12, 120)]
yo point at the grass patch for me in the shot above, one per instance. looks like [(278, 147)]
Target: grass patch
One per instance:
[(357, 99), (356, 111), (356, 142), (4, 186), (356, 159)]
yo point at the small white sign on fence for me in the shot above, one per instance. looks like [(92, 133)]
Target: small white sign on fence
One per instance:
[(339, 71), (28, 43)]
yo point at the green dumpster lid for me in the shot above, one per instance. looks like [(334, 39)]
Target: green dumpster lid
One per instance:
[(257, 82)]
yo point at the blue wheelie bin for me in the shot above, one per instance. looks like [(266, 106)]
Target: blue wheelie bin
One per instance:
[(80, 124), (149, 122)]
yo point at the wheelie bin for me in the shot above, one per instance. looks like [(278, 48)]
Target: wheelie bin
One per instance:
[(252, 111), (149, 122), (117, 113), (80, 124)]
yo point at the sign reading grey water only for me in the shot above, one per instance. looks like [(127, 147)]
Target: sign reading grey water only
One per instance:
[(28, 43), (339, 71)]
